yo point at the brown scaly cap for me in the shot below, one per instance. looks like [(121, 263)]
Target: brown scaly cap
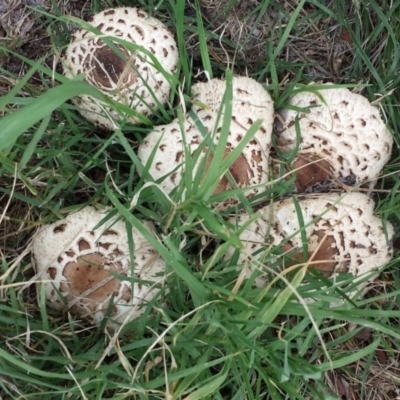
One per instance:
[(346, 238), (89, 270), (125, 76), (251, 102), (342, 135)]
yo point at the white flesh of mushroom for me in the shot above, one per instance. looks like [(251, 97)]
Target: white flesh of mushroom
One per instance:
[(75, 260), (343, 129), (346, 238), (250, 103), (122, 79)]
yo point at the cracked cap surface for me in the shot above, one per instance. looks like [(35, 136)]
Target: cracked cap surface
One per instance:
[(89, 271), (127, 76), (251, 102), (342, 135), (345, 237)]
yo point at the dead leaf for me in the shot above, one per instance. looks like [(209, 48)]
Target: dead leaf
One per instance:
[(345, 35)]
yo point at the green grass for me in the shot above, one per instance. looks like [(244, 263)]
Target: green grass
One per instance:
[(207, 337)]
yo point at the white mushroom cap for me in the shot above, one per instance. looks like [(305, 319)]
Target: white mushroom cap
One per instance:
[(250, 103), (76, 258), (342, 129), (169, 155), (131, 79), (346, 238)]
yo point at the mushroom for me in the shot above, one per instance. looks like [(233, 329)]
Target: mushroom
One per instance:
[(126, 76), (166, 143), (342, 137), (87, 269), (343, 235)]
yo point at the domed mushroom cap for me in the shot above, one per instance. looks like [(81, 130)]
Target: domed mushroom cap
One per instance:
[(88, 270), (250, 103), (342, 136), (128, 77), (343, 234), (168, 156)]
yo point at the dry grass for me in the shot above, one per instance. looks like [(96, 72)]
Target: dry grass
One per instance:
[(244, 31)]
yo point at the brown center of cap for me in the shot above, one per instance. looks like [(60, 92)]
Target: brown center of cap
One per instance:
[(107, 68), (322, 259), (240, 171), (88, 279), (311, 170)]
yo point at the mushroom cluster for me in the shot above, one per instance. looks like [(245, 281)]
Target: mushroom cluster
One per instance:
[(342, 137), (85, 261), (86, 267), (165, 145), (137, 76), (343, 235)]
